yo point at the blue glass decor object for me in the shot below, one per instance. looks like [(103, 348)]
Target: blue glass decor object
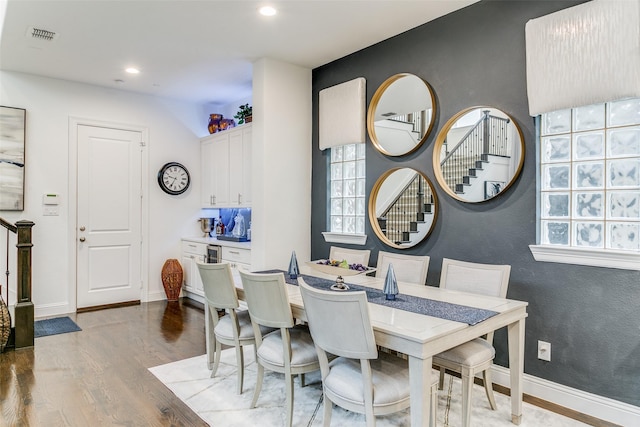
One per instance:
[(390, 284), (239, 229), (294, 270)]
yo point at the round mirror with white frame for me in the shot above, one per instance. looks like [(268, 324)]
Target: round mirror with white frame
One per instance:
[(478, 154), (401, 114), (402, 207)]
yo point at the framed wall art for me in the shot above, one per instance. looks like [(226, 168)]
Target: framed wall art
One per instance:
[(492, 188), (12, 148)]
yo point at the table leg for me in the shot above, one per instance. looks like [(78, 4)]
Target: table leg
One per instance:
[(516, 368), (420, 381)]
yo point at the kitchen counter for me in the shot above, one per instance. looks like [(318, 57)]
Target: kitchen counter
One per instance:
[(195, 249), (214, 241)]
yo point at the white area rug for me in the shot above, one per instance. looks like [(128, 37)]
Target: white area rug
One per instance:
[(216, 402)]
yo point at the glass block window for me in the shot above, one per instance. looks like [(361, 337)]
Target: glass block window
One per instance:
[(347, 189), (590, 176)]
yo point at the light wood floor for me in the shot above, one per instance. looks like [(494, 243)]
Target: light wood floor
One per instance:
[(99, 376)]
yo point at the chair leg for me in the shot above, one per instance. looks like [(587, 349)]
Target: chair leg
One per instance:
[(256, 392), (288, 378), (467, 387), (209, 337), (441, 382), (488, 388), (301, 380), (369, 417), (240, 362), (217, 353), (328, 408), (433, 403)]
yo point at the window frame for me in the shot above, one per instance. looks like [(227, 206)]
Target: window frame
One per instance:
[(571, 254), (341, 236)]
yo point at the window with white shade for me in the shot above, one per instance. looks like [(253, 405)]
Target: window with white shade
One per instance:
[(589, 184), (347, 189)]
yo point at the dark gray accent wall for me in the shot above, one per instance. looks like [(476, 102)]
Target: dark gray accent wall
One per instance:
[(476, 56)]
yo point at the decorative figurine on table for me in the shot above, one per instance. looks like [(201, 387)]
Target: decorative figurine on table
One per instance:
[(390, 284), (294, 270), (339, 285)]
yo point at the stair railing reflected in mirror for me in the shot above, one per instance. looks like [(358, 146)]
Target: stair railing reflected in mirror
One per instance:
[(401, 114), (402, 207), (478, 154)]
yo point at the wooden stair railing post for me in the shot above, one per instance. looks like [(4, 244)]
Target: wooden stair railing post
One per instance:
[(24, 310), (485, 133)]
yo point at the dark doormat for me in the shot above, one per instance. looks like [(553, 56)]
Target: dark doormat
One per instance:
[(58, 325)]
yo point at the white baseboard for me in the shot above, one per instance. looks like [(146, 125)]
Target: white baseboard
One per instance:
[(57, 309), (596, 406), (50, 310), (156, 296), (195, 297), (45, 310)]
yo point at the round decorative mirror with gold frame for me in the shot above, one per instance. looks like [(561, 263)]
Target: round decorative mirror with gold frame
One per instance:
[(478, 154), (401, 114), (403, 207)]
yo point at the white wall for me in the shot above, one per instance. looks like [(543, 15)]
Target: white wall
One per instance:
[(173, 128)]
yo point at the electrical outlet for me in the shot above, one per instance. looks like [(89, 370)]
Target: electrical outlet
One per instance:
[(544, 351)]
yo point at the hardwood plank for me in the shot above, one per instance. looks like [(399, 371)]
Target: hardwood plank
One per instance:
[(99, 376)]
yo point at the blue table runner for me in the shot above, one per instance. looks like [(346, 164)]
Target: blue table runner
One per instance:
[(429, 307)]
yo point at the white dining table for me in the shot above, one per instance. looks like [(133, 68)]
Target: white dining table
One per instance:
[(421, 337)]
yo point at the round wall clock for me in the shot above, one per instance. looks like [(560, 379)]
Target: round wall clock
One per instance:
[(174, 178)]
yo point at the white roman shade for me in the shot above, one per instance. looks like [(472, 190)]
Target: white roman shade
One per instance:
[(583, 55), (342, 114)]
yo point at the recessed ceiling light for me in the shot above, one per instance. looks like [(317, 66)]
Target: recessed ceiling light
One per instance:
[(132, 70), (267, 11)]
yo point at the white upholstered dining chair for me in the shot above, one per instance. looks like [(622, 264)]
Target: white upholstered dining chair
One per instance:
[(289, 349), (234, 328), (407, 268), (476, 355), (360, 379), (352, 256)]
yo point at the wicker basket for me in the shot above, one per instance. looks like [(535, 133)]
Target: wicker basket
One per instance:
[(172, 279), (5, 325)]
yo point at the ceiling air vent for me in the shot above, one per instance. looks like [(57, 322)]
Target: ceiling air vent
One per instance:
[(389, 114), (41, 34)]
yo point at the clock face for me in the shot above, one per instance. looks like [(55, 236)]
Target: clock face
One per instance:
[(174, 178)]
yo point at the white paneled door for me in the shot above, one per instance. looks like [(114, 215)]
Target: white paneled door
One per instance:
[(109, 216)]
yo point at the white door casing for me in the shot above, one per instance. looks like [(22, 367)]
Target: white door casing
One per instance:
[(109, 216)]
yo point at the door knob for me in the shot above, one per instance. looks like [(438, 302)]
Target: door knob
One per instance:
[(82, 239), (82, 228)]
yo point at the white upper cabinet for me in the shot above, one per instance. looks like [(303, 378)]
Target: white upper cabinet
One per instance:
[(226, 168)]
